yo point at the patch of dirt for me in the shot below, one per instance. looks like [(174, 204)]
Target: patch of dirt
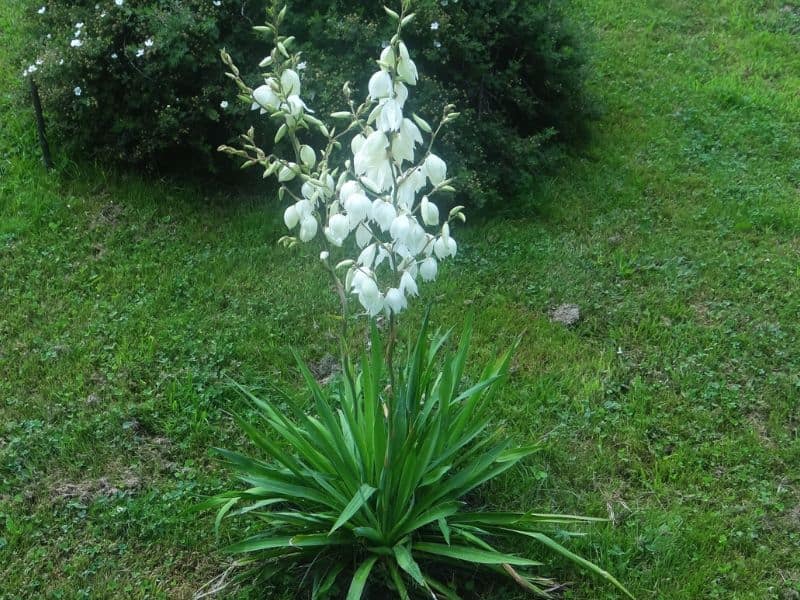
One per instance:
[(109, 216), (793, 518), (703, 312), (566, 314), (91, 490), (325, 369), (757, 423), (98, 251)]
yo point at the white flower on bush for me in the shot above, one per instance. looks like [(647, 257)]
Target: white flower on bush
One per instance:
[(140, 53), (42, 10), (78, 91), (119, 2), (223, 105), (377, 204), (76, 43), (148, 42)]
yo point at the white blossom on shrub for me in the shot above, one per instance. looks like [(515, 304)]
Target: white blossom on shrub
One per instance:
[(376, 204)]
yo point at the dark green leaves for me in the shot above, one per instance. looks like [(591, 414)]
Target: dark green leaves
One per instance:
[(372, 484)]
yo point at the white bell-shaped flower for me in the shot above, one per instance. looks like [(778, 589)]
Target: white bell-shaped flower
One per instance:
[(383, 255), (372, 160), (328, 188), (363, 235), (400, 228), (408, 188), (435, 169), (400, 93), (291, 217), (383, 213), (417, 238), (428, 269), (290, 83), (357, 143), (348, 189), (395, 300), (265, 98), (370, 296), (404, 142), (407, 285), (429, 212), (308, 228), (406, 69), (337, 229), (356, 278), (367, 256), (295, 106), (380, 85), (444, 247), (358, 208), (391, 115), (387, 57), (309, 191), (304, 208)]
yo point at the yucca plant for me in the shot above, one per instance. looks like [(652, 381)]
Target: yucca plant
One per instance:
[(373, 489)]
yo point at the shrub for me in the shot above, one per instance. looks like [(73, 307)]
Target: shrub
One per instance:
[(375, 487), (515, 69), (141, 82)]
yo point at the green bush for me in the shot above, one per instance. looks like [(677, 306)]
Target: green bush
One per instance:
[(143, 84), (372, 489), (514, 69)]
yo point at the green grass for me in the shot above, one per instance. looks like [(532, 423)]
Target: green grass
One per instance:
[(672, 406)]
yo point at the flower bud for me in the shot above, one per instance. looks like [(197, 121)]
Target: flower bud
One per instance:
[(308, 156), (345, 263), (423, 124)]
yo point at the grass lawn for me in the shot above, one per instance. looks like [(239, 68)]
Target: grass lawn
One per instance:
[(671, 407)]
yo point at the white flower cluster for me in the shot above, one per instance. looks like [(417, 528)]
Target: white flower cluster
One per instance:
[(381, 198)]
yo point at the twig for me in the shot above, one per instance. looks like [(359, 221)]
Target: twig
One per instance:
[(216, 585)]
